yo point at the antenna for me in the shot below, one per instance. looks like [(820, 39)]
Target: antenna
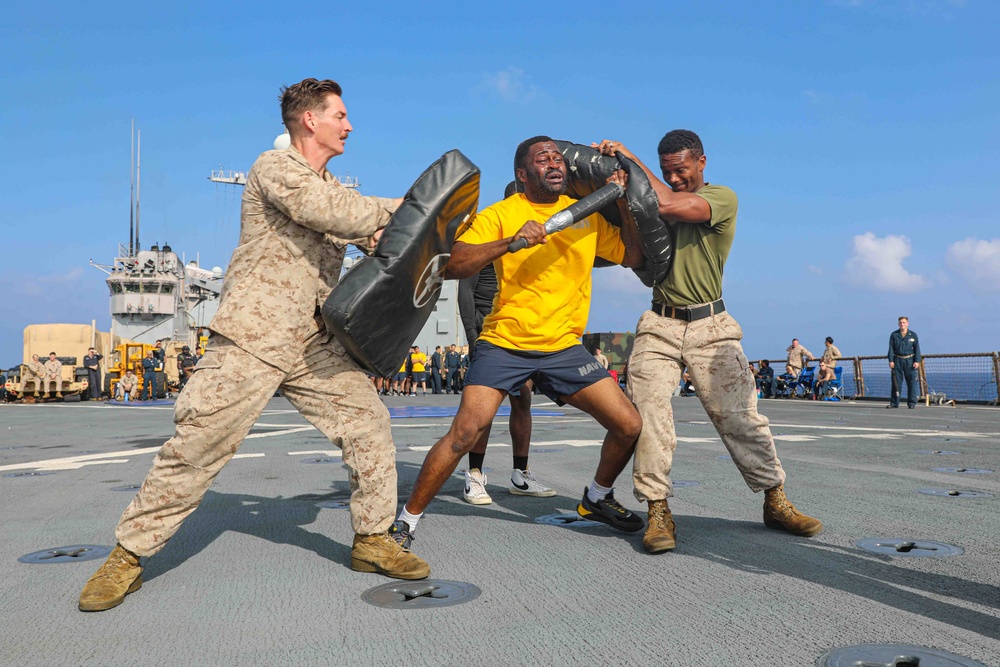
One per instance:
[(138, 180), (131, 194)]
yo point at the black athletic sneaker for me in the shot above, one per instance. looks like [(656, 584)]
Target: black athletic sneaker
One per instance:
[(609, 511), (400, 531)]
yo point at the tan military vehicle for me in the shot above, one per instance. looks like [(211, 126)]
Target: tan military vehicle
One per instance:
[(70, 343)]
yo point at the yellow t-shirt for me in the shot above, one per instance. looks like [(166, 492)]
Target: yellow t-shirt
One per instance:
[(543, 299), (418, 360)]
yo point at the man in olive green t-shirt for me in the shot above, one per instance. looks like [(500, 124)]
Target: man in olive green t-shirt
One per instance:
[(688, 326)]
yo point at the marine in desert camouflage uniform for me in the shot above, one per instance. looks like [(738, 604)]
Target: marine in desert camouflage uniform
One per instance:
[(688, 326), (53, 375), (797, 358), (267, 334), (128, 385), (33, 372)]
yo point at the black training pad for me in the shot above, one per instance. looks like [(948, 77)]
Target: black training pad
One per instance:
[(588, 170), (381, 304)]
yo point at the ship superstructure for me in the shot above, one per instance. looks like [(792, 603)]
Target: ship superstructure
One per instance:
[(154, 294)]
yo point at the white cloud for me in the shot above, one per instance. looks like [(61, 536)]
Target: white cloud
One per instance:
[(978, 261), (511, 85), (878, 264), (38, 285), (814, 269), (618, 280)]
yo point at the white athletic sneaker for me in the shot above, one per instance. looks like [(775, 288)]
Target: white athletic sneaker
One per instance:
[(475, 488), (523, 483)]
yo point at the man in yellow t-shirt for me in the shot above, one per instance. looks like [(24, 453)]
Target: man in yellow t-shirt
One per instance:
[(534, 330), (418, 364)]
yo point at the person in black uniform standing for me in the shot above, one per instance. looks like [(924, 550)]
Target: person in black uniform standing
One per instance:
[(91, 363), (150, 366), (452, 364), (185, 365), (437, 365), (904, 359)]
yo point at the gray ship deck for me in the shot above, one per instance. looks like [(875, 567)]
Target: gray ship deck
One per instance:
[(260, 575)]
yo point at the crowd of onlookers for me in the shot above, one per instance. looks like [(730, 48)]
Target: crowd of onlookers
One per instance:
[(44, 380), (441, 373), (798, 376)]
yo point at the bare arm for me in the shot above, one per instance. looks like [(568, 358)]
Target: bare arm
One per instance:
[(673, 206), (469, 258)]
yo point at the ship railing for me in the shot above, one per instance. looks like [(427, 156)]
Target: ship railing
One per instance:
[(972, 377)]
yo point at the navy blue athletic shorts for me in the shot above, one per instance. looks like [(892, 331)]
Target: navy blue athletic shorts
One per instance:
[(401, 376), (419, 376), (556, 374)]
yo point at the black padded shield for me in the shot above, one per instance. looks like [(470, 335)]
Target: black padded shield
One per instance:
[(588, 170), (381, 304)]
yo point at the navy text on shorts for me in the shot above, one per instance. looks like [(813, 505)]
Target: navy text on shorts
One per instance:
[(556, 374)]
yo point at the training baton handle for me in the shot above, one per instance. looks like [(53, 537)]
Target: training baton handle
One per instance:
[(575, 212)]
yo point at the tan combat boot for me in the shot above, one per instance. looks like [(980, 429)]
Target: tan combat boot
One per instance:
[(120, 575), (660, 529), (380, 553), (780, 513)]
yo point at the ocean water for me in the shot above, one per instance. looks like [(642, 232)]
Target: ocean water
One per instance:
[(973, 385)]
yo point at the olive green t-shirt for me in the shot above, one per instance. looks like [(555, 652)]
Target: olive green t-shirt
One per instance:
[(700, 252)]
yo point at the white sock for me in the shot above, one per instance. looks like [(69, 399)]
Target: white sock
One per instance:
[(597, 492), (410, 519)]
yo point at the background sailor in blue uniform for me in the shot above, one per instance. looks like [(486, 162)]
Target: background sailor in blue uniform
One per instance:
[(904, 358)]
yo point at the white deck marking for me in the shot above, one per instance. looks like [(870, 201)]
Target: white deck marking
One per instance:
[(249, 456), (297, 429), (77, 466), (71, 462), (318, 452), (74, 462)]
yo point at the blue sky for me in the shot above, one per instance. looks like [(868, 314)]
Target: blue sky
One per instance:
[(860, 135)]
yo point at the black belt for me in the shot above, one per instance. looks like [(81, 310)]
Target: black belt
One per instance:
[(690, 314)]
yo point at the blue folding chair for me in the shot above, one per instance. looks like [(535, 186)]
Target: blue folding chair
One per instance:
[(833, 387), (802, 386)]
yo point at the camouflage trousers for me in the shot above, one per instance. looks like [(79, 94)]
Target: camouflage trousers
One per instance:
[(223, 400), (710, 349), (26, 377)]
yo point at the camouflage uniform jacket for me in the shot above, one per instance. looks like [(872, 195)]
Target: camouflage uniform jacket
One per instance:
[(830, 356), (128, 382), (798, 356), (35, 368), (295, 226), (53, 369)]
